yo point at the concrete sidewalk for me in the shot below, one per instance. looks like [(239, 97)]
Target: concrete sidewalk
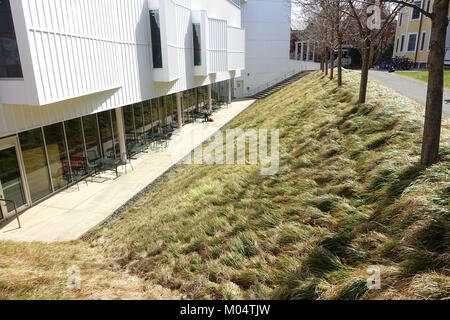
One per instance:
[(413, 89), (71, 213)]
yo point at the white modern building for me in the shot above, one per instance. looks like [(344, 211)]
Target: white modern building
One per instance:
[(84, 82), (90, 79), (267, 25)]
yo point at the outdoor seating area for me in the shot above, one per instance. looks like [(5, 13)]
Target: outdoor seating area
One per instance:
[(149, 127), (94, 192)]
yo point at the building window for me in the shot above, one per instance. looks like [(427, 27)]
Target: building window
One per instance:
[(91, 138), (155, 27), (75, 144), (402, 43), (10, 66), (197, 45), (422, 44), (57, 155), (415, 15), (35, 161), (106, 134), (398, 42), (428, 5), (400, 20), (412, 41)]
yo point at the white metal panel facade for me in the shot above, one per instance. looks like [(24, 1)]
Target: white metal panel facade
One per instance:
[(87, 56)]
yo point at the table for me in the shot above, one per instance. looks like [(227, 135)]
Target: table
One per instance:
[(112, 163)]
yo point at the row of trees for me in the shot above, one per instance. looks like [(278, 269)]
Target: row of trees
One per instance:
[(331, 22)]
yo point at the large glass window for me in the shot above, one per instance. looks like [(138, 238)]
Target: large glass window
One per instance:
[(148, 116), (155, 27), (75, 144), (412, 42), (156, 115), (106, 134), (116, 134), (10, 180), (197, 45), (35, 161), (10, 66), (91, 137), (57, 155), (416, 13), (139, 119), (128, 118)]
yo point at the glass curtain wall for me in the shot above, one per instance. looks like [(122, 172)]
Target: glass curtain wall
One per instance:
[(128, 118), (35, 161), (148, 122), (156, 115), (139, 119), (116, 133), (91, 138), (106, 134), (75, 144), (10, 178), (57, 155), (10, 66)]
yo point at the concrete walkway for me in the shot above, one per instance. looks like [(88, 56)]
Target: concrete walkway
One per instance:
[(70, 214), (413, 89)]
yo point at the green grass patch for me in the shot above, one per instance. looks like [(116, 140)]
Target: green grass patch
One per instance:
[(423, 76)]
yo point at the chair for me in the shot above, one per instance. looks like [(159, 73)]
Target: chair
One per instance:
[(78, 174), (125, 155)]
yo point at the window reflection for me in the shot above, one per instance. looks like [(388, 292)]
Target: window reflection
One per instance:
[(57, 156), (10, 66), (75, 144), (35, 161), (106, 134), (91, 138)]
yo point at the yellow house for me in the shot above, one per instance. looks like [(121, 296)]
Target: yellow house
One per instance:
[(412, 38)]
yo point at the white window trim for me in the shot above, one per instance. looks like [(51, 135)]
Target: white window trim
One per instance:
[(422, 40), (430, 8), (407, 41), (412, 11)]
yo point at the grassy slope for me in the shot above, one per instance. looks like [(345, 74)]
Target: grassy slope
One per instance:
[(349, 194), (423, 76)]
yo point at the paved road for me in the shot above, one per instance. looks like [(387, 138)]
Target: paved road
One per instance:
[(414, 90)]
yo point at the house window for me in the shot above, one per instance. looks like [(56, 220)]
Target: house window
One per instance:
[(400, 20), (10, 66), (402, 43), (197, 45), (428, 5), (398, 42), (415, 15), (422, 43), (412, 40), (155, 27)]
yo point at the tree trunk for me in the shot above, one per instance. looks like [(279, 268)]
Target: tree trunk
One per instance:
[(433, 111), (326, 61), (322, 66), (331, 64), (371, 54), (339, 61), (364, 72)]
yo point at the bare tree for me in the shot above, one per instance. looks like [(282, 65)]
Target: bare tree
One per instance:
[(363, 12), (433, 110)]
